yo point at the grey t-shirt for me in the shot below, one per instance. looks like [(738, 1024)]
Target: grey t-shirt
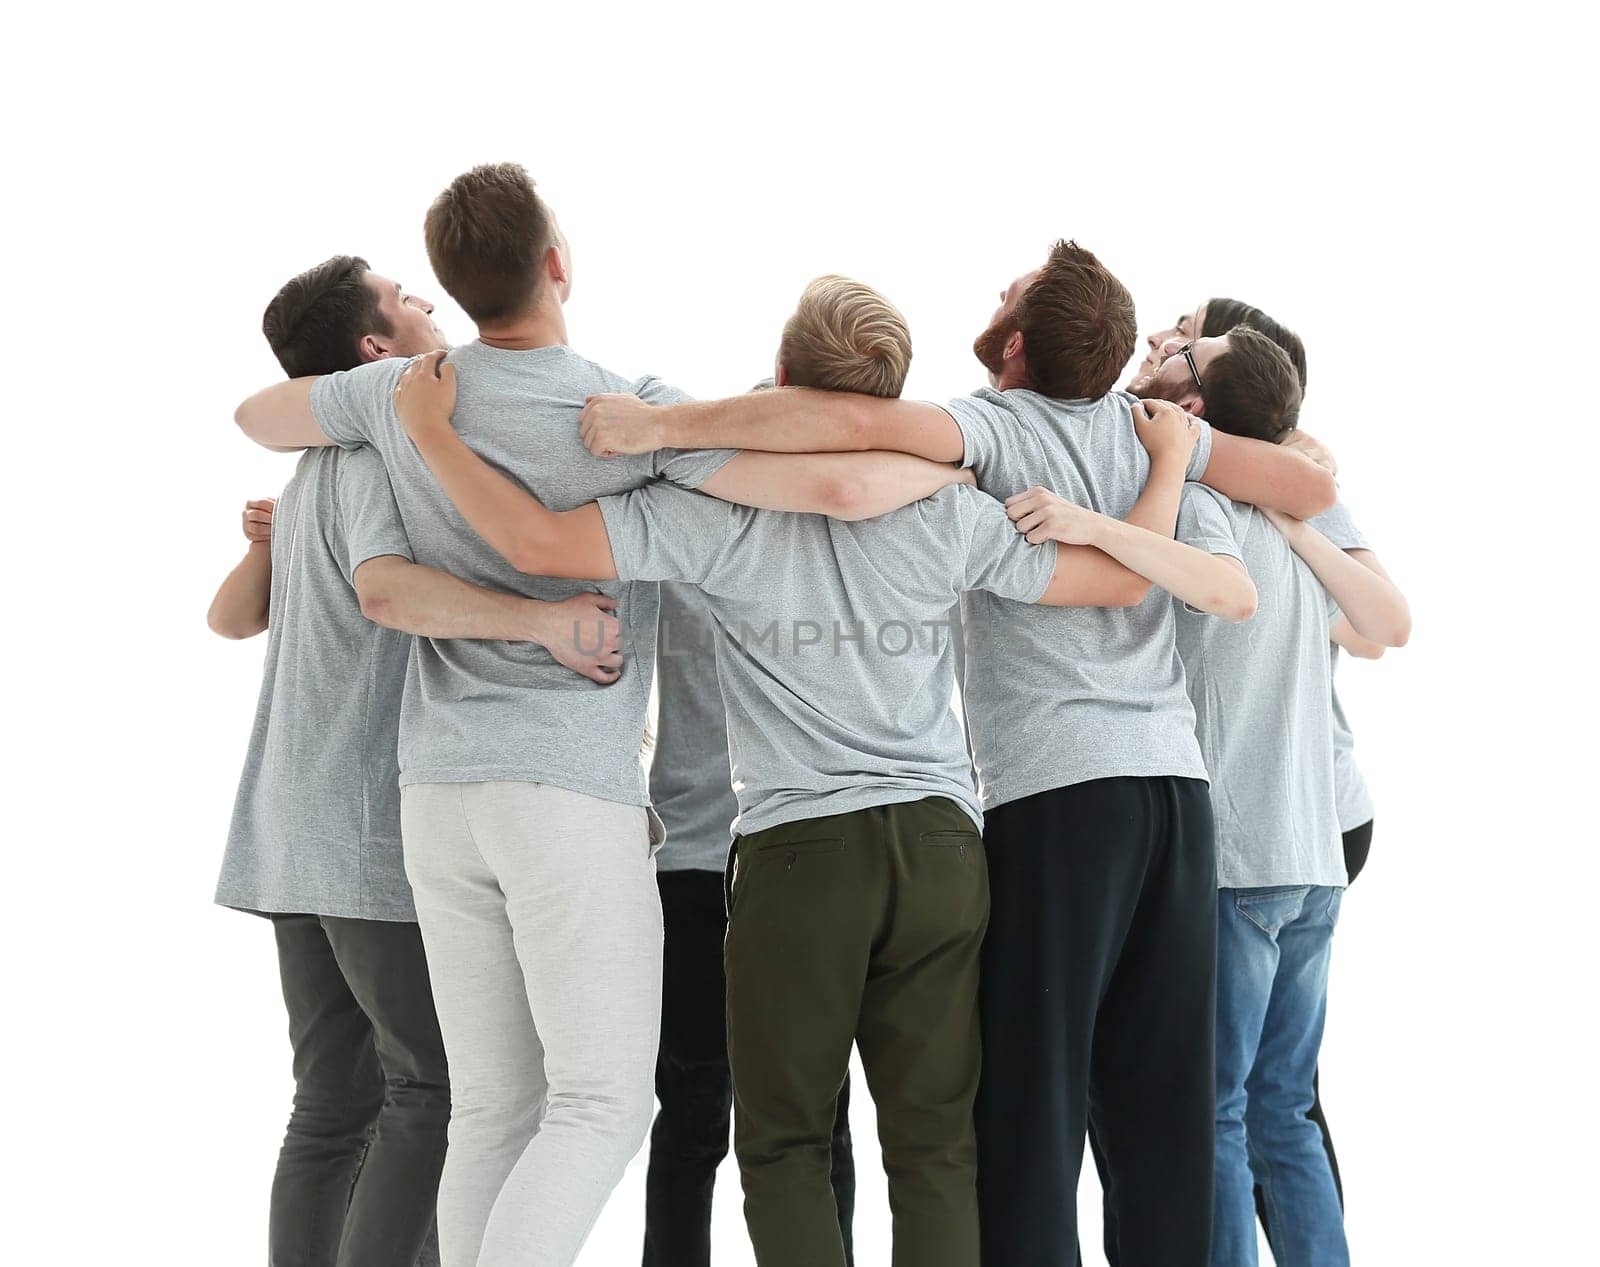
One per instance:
[(1355, 800), (477, 710), (1262, 690), (316, 824), (835, 656), (690, 780), (1060, 695)]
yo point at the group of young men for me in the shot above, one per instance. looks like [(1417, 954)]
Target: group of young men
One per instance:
[(1096, 902)]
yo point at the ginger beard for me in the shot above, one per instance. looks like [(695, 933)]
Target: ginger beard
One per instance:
[(990, 346)]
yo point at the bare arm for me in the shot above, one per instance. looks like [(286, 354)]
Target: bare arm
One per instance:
[(1270, 476), (580, 631), (1211, 583), (844, 485), (280, 418), (1344, 633), (1372, 603), (785, 420), (240, 607)]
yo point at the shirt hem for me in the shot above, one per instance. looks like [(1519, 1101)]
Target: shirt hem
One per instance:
[(1051, 782)]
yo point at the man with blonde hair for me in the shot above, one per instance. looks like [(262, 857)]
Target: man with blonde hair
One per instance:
[(857, 891)]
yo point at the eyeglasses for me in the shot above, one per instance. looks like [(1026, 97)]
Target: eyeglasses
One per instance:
[(1187, 353)]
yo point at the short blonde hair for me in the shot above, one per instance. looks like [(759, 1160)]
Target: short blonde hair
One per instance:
[(846, 337)]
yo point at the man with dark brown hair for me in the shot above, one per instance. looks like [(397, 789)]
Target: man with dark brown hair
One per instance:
[(315, 838), (1099, 965), (1242, 376)]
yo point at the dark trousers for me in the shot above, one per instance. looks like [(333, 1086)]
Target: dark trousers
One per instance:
[(858, 929), (690, 1136), (360, 1163), (1357, 844), (1099, 993)]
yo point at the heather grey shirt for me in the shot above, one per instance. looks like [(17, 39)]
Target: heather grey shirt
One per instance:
[(477, 710), (1355, 801), (835, 657), (690, 780), (1060, 695), (1262, 692), (316, 824)]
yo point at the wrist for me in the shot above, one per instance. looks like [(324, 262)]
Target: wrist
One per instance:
[(1169, 464), (535, 622)]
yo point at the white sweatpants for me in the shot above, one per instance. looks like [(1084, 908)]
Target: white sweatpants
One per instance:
[(542, 923)]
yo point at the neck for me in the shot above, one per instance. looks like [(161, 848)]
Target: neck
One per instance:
[(544, 327), (1010, 378)]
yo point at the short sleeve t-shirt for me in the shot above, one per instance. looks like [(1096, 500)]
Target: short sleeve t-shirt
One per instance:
[(1355, 799), (478, 710), (316, 823), (1262, 692), (834, 649), (690, 779), (1061, 695)]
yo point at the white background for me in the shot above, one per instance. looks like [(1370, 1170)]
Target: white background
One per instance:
[(1410, 186)]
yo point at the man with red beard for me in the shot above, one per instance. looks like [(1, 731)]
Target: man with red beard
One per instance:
[(1098, 976)]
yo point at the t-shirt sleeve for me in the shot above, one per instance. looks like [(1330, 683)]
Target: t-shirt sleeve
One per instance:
[(984, 425), (998, 557), (663, 533), (352, 405), (1339, 527), (1201, 457), (688, 468), (1205, 521), (368, 513)]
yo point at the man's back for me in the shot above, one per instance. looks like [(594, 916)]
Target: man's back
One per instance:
[(1262, 694), (316, 825), (835, 661), (1060, 695), (492, 711)]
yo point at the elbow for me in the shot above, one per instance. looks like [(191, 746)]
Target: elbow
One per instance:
[(245, 418), (377, 604), (1240, 605), (1401, 633), (232, 626), (844, 497), (1321, 492)]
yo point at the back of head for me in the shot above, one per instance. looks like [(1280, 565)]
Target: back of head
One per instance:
[(1252, 388), (1222, 315), (1078, 326), (315, 324), (487, 235), (846, 337)]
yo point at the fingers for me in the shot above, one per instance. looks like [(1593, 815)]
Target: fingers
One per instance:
[(1029, 522), (262, 503)]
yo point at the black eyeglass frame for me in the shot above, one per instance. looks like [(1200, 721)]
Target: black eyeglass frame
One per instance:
[(1187, 353)]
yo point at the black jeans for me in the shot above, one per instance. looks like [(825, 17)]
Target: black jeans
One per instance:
[(690, 1136), (359, 1169), (1357, 844), (1099, 991)]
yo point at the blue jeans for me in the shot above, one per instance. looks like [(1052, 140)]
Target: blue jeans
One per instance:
[(1273, 946)]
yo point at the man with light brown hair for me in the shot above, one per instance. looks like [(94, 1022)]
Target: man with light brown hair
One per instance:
[(857, 893)]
